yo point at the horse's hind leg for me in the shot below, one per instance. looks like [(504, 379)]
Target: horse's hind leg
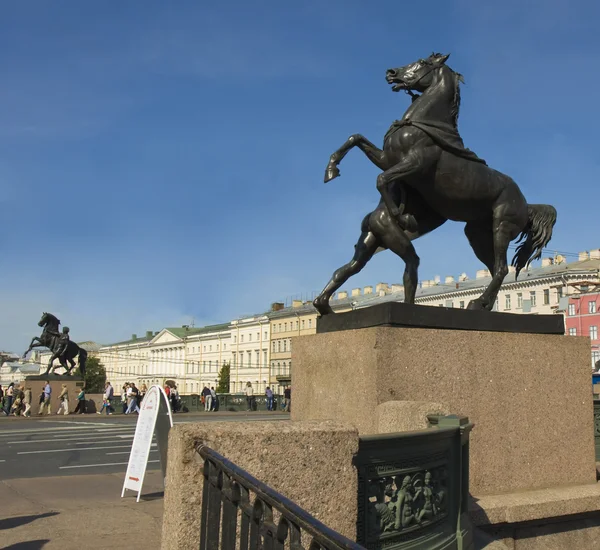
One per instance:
[(502, 232), (364, 249), (394, 238)]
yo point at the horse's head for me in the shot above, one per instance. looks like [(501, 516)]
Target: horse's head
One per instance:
[(416, 76), (48, 318)]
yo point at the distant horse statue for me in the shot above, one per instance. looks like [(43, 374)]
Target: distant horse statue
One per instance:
[(428, 177), (51, 339)]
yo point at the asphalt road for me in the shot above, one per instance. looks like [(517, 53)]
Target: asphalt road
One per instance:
[(90, 444)]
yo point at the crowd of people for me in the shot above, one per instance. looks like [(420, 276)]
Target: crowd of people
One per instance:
[(17, 400)]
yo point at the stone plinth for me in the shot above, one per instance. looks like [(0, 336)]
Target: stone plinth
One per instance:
[(37, 383), (308, 462), (528, 433)]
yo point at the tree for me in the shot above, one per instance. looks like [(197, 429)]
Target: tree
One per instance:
[(95, 375), (223, 383)]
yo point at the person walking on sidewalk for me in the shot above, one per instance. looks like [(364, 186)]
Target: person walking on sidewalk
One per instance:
[(9, 395), (249, 396), (64, 400), (80, 408), (106, 399), (133, 394), (269, 396), (27, 400), (46, 403), (207, 398)]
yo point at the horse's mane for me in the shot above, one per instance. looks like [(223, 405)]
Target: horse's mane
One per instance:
[(458, 78), (52, 317)]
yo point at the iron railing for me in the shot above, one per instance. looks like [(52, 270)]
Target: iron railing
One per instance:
[(239, 511)]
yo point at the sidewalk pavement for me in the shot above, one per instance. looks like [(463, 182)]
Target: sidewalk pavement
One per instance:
[(176, 416), (74, 512)]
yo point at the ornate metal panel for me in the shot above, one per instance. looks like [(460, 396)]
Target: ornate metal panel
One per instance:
[(597, 427), (412, 488)]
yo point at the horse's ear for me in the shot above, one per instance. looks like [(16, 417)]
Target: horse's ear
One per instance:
[(441, 59)]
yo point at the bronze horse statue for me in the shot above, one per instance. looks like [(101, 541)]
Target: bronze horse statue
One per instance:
[(428, 177), (50, 339)]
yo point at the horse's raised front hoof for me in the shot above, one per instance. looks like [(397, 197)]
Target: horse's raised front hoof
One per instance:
[(331, 173), (322, 306)]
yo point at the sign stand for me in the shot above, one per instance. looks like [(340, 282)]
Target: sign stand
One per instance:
[(155, 415)]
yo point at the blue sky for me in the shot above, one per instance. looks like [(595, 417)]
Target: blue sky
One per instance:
[(163, 161)]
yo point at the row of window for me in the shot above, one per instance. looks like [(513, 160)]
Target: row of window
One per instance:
[(591, 308), (238, 359), (593, 332), (280, 368), (283, 345), (250, 337), (293, 325), (532, 298)]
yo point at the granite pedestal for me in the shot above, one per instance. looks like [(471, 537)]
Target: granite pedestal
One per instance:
[(36, 383), (528, 434)]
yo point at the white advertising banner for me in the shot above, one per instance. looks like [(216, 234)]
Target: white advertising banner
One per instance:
[(155, 414)]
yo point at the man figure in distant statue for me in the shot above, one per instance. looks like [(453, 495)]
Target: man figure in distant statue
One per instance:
[(63, 341)]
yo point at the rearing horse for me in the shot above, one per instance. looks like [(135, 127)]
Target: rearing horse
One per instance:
[(429, 177), (50, 339)]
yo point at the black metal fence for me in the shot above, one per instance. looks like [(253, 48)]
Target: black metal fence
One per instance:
[(239, 511)]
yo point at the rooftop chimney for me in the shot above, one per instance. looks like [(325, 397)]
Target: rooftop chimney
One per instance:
[(381, 287), (356, 292), (368, 290), (397, 288), (546, 262), (343, 294), (437, 279), (134, 336), (463, 277), (449, 279), (482, 273), (595, 254), (584, 256), (512, 269), (277, 306), (425, 284), (296, 303), (149, 334)]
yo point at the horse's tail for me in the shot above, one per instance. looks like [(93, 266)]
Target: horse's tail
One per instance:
[(82, 360), (537, 235)]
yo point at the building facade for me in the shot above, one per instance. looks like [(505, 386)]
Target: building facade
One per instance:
[(583, 319), (287, 323), (259, 348), (250, 338)]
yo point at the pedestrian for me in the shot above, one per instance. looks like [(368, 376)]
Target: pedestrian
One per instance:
[(174, 395), (17, 405), (64, 400), (269, 395), (9, 398), (1, 397), (80, 408), (143, 392), (108, 395), (133, 395), (249, 396), (28, 397), (125, 396), (213, 399), (287, 398), (207, 398)]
